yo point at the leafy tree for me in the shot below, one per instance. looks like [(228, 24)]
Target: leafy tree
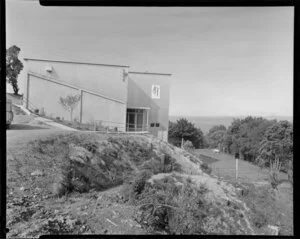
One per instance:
[(183, 129), (188, 145), (277, 142), (245, 135), (69, 103), (13, 67), (215, 136), (216, 128)]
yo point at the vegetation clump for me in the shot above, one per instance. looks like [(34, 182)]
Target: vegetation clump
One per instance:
[(173, 207)]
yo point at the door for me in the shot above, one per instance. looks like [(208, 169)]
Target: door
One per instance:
[(130, 121), (139, 122)]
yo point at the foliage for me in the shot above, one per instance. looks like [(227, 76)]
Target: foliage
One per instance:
[(174, 207), (69, 103), (243, 136), (186, 130), (216, 128), (216, 137), (188, 145), (13, 67), (206, 168), (278, 142), (275, 167)]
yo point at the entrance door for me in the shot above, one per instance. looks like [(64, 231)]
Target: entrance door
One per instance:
[(139, 121), (135, 120), (130, 121)]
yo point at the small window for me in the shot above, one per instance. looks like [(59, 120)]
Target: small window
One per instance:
[(157, 124), (152, 125)]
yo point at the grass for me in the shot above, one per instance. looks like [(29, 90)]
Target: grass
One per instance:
[(78, 125), (265, 208)]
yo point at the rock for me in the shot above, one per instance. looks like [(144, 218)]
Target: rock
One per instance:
[(273, 230), (37, 173), (22, 188)]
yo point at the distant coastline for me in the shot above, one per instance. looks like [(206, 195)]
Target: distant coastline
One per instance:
[(205, 123)]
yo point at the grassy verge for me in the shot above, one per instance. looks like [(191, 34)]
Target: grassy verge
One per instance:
[(79, 126)]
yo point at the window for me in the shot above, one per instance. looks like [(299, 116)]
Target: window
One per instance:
[(152, 125), (157, 124)]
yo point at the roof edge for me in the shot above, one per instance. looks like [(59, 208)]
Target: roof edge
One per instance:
[(149, 73), (74, 62)]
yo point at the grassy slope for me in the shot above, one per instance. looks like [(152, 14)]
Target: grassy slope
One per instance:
[(276, 209)]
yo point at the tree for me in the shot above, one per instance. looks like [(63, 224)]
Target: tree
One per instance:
[(183, 129), (215, 136), (188, 146), (244, 136), (13, 67), (69, 103), (277, 142), (216, 128)]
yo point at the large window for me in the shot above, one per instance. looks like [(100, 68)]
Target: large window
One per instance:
[(136, 120)]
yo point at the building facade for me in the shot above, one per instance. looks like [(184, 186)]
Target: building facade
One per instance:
[(111, 94)]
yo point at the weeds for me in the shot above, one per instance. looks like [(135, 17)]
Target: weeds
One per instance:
[(172, 206), (275, 168)]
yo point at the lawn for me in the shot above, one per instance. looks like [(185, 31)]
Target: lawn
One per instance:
[(223, 165)]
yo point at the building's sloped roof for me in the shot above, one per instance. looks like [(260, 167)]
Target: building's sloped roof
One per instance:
[(75, 62)]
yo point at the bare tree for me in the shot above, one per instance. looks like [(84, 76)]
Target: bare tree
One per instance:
[(69, 103)]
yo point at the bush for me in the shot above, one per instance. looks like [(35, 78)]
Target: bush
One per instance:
[(188, 145), (206, 168), (172, 206)]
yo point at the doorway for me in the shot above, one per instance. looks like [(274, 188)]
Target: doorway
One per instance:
[(136, 120)]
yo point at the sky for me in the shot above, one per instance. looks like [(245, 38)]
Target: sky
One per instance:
[(224, 61)]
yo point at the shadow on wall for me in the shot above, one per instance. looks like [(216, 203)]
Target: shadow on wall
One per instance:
[(144, 100)]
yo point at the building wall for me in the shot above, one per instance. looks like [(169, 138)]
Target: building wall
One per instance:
[(139, 95), (110, 113), (45, 94), (95, 82), (106, 80)]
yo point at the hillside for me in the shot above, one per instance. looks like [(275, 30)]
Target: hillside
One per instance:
[(86, 183)]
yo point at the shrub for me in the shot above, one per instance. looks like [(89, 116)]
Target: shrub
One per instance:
[(188, 146), (206, 168), (172, 206)]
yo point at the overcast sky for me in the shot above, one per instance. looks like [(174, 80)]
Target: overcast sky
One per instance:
[(224, 61)]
